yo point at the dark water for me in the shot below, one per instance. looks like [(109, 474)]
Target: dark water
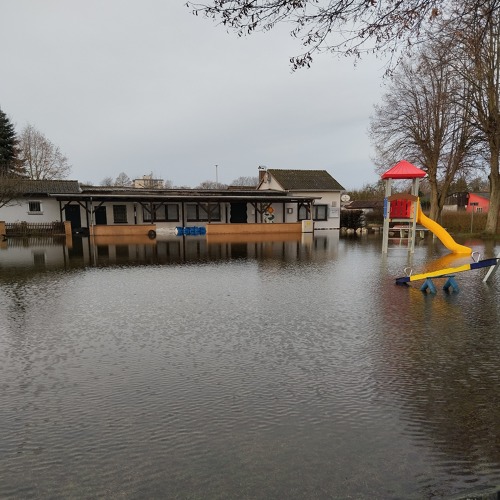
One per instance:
[(289, 369)]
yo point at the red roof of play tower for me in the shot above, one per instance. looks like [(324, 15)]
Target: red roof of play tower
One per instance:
[(404, 170)]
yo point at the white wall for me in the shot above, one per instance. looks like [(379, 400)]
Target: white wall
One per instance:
[(17, 211)]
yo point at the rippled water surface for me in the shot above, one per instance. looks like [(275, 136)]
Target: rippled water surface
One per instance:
[(288, 369)]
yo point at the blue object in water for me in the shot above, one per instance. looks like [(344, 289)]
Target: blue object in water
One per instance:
[(450, 283), (428, 284)]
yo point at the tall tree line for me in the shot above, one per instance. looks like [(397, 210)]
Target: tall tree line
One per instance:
[(442, 108)]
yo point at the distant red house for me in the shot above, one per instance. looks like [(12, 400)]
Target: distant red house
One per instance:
[(480, 202)]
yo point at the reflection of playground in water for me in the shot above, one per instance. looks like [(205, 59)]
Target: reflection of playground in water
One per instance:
[(438, 366)]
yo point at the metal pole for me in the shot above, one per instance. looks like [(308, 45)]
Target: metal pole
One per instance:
[(387, 209), (473, 205)]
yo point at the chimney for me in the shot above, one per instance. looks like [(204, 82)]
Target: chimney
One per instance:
[(262, 173)]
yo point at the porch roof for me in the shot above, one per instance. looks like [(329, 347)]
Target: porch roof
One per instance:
[(175, 196)]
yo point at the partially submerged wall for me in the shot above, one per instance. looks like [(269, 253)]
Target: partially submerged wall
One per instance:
[(289, 227), (122, 230)]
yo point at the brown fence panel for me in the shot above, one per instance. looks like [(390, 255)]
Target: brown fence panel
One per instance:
[(24, 229)]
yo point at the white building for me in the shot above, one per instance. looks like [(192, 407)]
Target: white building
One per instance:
[(314, 183)]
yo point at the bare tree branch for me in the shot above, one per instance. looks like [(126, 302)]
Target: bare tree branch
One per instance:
[(40, 157), (349, 27)]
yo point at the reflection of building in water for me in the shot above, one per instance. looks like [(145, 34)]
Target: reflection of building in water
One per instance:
[(103, 251), (39, 252)]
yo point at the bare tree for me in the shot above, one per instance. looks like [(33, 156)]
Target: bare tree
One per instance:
[(123, 180), (211, 185), (425, 119), (336, 26), (40, 157), (478, 40), (10, 187), (246, 181), (107, 181)]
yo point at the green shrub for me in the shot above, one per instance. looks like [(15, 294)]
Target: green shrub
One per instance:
[(352, 219)]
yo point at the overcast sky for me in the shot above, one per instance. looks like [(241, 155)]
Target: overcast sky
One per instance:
[(146, 87)]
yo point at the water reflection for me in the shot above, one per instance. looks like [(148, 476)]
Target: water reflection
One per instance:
[(438, 371), (109, 251), (216, 368)]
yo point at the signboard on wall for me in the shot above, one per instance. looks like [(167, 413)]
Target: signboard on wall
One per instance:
[(334, 212)]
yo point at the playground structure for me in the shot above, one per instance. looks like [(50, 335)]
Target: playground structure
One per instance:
[(405, 209), (449, 274)]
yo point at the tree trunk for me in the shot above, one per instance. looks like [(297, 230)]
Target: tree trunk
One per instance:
[(492, 218), (434, 209)]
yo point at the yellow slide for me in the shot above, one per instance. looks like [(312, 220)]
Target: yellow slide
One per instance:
[(441, 233)]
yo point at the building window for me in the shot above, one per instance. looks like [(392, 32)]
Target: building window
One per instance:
[(161, 213), (479, 209), (320, 212), (35, 207), (120, 214), (198, 213)]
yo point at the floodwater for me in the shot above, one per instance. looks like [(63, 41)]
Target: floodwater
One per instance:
[(195, 368)]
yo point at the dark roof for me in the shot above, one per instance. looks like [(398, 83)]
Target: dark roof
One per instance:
[(364, 204), (113, 194), (47, 187), (241, 188), (305, 180)]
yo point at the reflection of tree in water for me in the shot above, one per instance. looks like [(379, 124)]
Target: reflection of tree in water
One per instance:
[(438, 364), (14, 291)]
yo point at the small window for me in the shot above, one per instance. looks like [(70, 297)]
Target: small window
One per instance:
[(479, 209), (199, 213), (303, 213), (320, 212), (172, 212), (161, 213), (35, 207), (120, 214)]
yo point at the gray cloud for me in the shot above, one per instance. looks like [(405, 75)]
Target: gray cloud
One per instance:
[(147, 87)]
